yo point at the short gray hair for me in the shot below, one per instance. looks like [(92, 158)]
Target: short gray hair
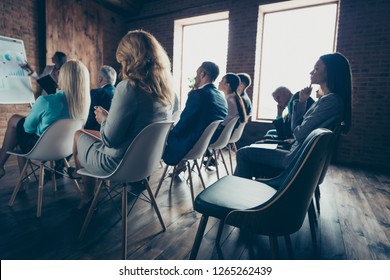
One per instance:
[(108, 74)]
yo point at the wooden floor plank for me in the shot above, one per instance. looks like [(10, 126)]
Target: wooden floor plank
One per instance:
[(353, 223)]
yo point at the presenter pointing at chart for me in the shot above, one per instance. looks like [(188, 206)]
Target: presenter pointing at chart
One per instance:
[(59, 58)]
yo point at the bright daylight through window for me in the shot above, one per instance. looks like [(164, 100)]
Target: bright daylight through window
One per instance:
[(193, 38), (292, 41)]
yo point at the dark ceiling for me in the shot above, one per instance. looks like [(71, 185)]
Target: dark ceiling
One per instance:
[(127, 8)]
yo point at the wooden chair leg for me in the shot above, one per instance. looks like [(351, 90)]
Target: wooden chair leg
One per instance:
[(273, 242), (230, 158), (155, 206), (90, 211), (198, 237), (191, 184), (18, 184), (161, 180), (124, 222), (53, 176), (77, 186), (223, 161), (200, 174), (216, 162), (290, 251), (40, 188)]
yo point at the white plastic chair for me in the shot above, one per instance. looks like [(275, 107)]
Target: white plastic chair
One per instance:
[(221, 143), (55, 143), (237, 133), (194, 154), (176, 116), (139, 162)]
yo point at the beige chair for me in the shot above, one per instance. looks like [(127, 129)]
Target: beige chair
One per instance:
[(221, 143), (139, 162), (55, 143), (194, 154)]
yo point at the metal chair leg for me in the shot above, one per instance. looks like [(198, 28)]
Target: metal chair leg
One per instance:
[(273, 242), (218, 240), (198, 237), (289, 246)]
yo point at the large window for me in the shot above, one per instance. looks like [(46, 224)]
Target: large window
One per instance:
[(198, 39), (291, 38)]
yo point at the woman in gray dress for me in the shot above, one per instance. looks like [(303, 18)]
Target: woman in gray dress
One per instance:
[(145, 95), (332, 73)]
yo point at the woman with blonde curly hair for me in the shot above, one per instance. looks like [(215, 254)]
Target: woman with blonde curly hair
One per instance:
[(70, 101), (145, 95)]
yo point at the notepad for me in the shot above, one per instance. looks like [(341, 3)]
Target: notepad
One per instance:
[(48, 84), (265, 146)]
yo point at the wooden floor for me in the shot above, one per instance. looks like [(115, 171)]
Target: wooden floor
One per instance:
[(354, 223)]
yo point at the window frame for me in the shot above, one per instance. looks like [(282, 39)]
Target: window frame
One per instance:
[(274, 8)]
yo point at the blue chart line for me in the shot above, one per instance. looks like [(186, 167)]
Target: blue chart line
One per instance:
[(18, 73)]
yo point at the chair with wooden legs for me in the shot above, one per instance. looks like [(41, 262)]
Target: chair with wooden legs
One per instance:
[(139, 162), (221, 143), (274, 208), (56, 143), (193, 155), (236, 135)]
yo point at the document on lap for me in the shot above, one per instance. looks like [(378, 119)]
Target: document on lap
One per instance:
[(265, 146)]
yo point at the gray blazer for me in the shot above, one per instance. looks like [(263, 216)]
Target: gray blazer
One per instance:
[(131, 110)]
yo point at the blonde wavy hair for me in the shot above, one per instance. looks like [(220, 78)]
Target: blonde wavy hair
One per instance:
[(74, 81), (146, 65)]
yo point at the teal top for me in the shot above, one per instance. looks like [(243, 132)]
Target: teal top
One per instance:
[(46, 110)]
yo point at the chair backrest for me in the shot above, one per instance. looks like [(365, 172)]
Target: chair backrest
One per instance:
[(337, 133), (225, 135), (144, 153), (203, 142), (237, 133), (285, 212), (56, 142), (176, 116)]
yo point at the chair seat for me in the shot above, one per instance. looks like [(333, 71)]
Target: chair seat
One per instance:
[(232, 193), (101, 175)]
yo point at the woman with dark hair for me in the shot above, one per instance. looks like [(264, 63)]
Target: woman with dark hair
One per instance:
[(228, 85), (333, 74)]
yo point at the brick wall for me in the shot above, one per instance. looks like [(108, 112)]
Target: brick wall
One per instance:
[(19, 19), (25, 20), (363, 36)]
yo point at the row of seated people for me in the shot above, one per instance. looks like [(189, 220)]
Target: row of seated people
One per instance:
[(145, 95)]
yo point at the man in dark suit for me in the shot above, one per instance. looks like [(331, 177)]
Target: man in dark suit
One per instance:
[(101, 96), (284, 99), (204, 105)]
